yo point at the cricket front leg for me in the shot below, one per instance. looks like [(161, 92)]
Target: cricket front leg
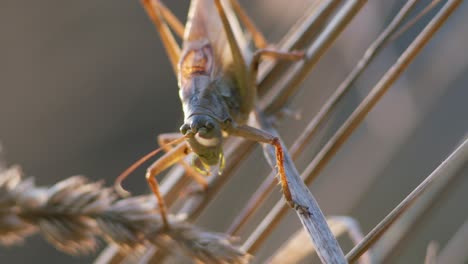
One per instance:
[(261, 136), (164, 142), (161, 17), (167, 160)]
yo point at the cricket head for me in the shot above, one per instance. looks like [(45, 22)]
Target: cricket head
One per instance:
[(204, 135)]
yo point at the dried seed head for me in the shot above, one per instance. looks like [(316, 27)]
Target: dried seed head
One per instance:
[(73, 215)]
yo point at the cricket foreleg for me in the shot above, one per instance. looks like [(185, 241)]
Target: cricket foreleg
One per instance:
[(163, 140), (261, 136), (167, 160), (161, 17)]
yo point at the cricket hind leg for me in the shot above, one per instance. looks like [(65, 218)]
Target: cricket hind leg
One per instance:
[(257, 36), (163, 140), (247, 75), (167, 160), (261, 136), (248, 101), (169, 17), (259, 39), (164, 19), (238, 59)]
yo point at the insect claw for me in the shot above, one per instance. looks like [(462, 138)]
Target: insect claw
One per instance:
[(303, 210)]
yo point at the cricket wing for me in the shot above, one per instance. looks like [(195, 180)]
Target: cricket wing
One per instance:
[(204, 26)]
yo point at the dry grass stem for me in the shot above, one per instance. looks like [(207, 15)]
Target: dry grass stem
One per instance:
[(307, 208), (400, 229), (431, 253), (298, 249), (301, 34), (282, 91), (415, 19), (74, 214), (457, 159), (455, 249)]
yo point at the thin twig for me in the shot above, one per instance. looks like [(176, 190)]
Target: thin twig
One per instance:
[(400, 229), (455, 250), (456, 159), (415, 19), (282, 91)]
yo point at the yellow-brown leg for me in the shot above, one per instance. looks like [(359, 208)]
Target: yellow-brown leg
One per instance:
[(257, 36), (261, 136), (167, 160), (159, 14), (251, 94), (163, 140), (173, 22)]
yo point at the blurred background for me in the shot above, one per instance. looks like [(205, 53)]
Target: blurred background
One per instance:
[(85, 88)]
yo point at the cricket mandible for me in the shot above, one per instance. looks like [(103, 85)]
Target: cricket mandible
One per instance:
[(216, 70)]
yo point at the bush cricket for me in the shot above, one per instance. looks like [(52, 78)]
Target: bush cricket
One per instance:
[(216, 72)]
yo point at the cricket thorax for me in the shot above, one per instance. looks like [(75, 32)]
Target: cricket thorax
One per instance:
[(199, 92)]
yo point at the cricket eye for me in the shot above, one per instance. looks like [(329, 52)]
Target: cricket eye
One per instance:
[(184, 128)]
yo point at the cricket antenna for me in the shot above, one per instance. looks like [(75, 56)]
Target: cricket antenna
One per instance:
[(118, 182)]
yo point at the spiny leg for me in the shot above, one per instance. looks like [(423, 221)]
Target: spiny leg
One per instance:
[(167, 160), (163, 140), (261, 136), (253, 70), (157, 12), (272, 54)]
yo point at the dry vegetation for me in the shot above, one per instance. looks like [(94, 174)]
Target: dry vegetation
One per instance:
[(74, 214)]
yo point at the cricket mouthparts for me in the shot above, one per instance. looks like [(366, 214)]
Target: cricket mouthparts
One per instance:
[(204, 128)]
